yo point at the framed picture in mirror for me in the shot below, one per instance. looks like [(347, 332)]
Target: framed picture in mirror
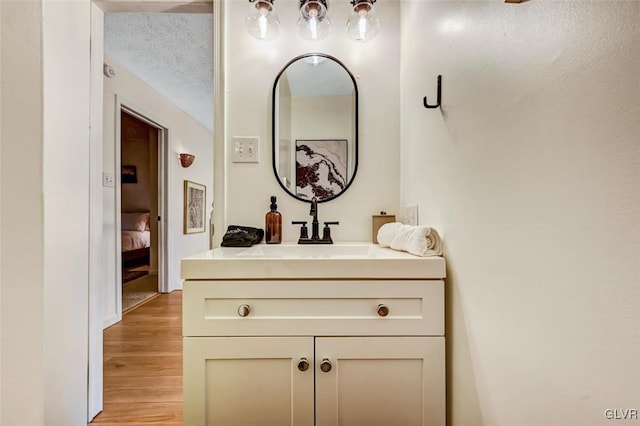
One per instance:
[(321, 168)]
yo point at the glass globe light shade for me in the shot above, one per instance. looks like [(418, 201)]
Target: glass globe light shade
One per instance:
[(363, 24), (262, 21), (313, 22)]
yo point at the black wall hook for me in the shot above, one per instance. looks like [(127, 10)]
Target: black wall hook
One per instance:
[(437, 105)]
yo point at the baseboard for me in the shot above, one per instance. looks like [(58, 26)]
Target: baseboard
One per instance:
[(110, 321)]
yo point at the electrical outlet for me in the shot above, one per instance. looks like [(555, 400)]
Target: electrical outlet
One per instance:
[(108, 180), (245, 149), (411, 214)]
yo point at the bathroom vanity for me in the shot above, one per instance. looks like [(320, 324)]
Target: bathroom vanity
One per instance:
[(348, 334)]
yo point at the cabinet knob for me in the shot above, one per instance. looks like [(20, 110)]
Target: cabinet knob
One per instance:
[(326, 365), (244, 310), (303, 364), (383, 310)]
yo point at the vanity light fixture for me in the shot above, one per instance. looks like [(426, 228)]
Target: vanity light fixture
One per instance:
[(313, 22), (186, 159), (262, 21), (363, 24)]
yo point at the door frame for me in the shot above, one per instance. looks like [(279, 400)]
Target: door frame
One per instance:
[(124, 105), (95, 386)]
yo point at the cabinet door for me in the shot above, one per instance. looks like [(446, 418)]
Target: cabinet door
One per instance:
[(245, 381), (380, 381)]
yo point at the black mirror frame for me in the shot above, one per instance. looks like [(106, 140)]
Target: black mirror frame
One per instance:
[(273, 125)]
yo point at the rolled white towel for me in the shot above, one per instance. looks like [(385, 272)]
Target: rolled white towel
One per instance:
[(418, 240), (434, 243), (386, 233)]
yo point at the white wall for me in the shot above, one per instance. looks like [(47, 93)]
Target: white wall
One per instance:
[(21, 214), (0, 216), (531, 171), (251, 67), (65, 62), (305, 125), (1, 84), (185, 135), (45, 117), (337, 109), (285, 153), (137, 196)]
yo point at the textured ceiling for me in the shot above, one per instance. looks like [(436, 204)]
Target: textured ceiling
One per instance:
[(171, 52)]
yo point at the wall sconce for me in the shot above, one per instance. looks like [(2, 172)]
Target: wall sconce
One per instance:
[(262, 22), (108, 71), (313, 22), (363, 24), (186, 159)]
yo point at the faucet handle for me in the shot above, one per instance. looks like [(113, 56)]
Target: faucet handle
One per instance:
[(304, 231), (326, 232)]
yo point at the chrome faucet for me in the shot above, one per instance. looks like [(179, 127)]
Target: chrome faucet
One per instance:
[(315, 231), (315, 228)]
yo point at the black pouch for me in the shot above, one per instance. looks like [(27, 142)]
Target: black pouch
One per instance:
[(242, 236)]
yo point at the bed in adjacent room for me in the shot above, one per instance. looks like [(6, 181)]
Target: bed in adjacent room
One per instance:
[(136, 238)]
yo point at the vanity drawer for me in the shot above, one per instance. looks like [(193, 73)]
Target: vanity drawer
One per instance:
[(326, 308)]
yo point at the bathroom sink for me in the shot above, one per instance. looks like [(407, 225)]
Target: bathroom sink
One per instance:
[(296, 251), (292, 261)]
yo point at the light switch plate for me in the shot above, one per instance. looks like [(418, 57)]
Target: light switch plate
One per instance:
[(245, 149), (108, 180), (411, 214)]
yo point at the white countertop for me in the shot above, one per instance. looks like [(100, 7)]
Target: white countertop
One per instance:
[(294, 261)]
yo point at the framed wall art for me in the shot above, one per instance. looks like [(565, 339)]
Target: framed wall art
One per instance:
[(129, 174), (194, 207)]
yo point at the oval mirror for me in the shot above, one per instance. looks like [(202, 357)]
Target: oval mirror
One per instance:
[(315, 127)]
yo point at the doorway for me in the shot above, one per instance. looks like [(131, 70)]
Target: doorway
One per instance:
[(114, 89), (138, 210), (141, 146)]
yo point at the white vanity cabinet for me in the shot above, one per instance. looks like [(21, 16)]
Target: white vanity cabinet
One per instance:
[(248, 381), (308, 350)]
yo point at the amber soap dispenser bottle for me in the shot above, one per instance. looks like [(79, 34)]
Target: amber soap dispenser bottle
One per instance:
[(273, 224)]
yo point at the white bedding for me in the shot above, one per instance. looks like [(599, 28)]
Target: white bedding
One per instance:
[(133, 240)]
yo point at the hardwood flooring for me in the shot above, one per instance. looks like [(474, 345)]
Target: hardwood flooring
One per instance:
[(143, 366)]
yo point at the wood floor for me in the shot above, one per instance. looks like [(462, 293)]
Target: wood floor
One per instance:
[(143, 366)]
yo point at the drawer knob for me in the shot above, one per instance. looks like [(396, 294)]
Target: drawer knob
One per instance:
[(326, 365), (244, 310), (383, 310), (303, 364)]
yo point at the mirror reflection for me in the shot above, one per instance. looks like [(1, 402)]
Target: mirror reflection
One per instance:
[(315, 127)]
